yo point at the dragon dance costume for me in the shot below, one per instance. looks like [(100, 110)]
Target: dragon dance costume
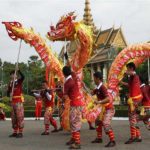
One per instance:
[(48, 102), (17, 114), (135, 97), (104, 120), (71, 89), (145, 111), (38, 107)]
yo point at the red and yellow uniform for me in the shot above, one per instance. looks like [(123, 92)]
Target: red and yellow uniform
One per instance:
[(48, 101), (146, 95), (135, 97), (146, 104), (17, 114), (71, 89), (108, 113), (38, 107)]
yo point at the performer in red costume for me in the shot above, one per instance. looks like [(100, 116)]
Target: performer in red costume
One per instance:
[(135, 97), (145, 112), (38, 107), (48, 102), (17, 114), (107, 113), (71, 90), (2, 114)]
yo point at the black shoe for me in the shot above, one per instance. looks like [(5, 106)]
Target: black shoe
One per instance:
[(130, 141), (138, 139), (55, 130), (70, 142), (45, 133), (111, 144), (13, 135), (19, 135), (75, 146), (91, 128), (97, 141)]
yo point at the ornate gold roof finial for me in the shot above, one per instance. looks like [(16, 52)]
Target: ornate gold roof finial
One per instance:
[(87, 17)]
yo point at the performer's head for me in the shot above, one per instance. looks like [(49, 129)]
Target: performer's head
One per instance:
[(98, 77), (45, 84), (130, 68), (12, 75), (66, 71)]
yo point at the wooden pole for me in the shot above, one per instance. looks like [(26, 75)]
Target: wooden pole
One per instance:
[(16, 69)]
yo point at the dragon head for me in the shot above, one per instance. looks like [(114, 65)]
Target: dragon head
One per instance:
[(64, 29), (9, 27)]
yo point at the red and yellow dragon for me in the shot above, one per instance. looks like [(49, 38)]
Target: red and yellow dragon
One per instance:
[(68, 29), (17, 31)]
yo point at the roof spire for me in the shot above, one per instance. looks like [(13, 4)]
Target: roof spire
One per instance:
[(87, 17)]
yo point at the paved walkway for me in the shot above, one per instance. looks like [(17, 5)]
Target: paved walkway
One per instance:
[(32, 139)]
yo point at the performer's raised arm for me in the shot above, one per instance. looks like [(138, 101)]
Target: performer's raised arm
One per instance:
[(67, 59), (37, 95), (22, 77)]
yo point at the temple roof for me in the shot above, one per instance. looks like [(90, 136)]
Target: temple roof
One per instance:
[(107, 40), (107, 37)]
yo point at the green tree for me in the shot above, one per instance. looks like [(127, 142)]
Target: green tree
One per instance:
[(36, 73), (87, 78), (142, 70), (0, 62)]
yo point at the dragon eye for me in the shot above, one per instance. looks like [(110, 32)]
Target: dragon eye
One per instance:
[(60, 26)]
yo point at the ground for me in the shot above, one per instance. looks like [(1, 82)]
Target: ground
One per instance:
[(32, 139)]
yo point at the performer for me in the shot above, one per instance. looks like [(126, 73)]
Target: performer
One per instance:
[(2, 114), (17, 114), (59, 92), (107, 113), (48, 101), (135, 97), (71, 90), (38, 107), (145, 111)]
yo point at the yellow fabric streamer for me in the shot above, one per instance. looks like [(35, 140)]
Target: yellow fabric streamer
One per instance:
[(131, 103), (142, 110), (49, 109), (102, 112), (142, 113), (21, 97)]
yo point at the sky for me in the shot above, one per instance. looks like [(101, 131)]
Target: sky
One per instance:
[(132, 15)]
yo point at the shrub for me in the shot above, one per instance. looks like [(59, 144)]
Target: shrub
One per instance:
[(29, 100), (5, 107)]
